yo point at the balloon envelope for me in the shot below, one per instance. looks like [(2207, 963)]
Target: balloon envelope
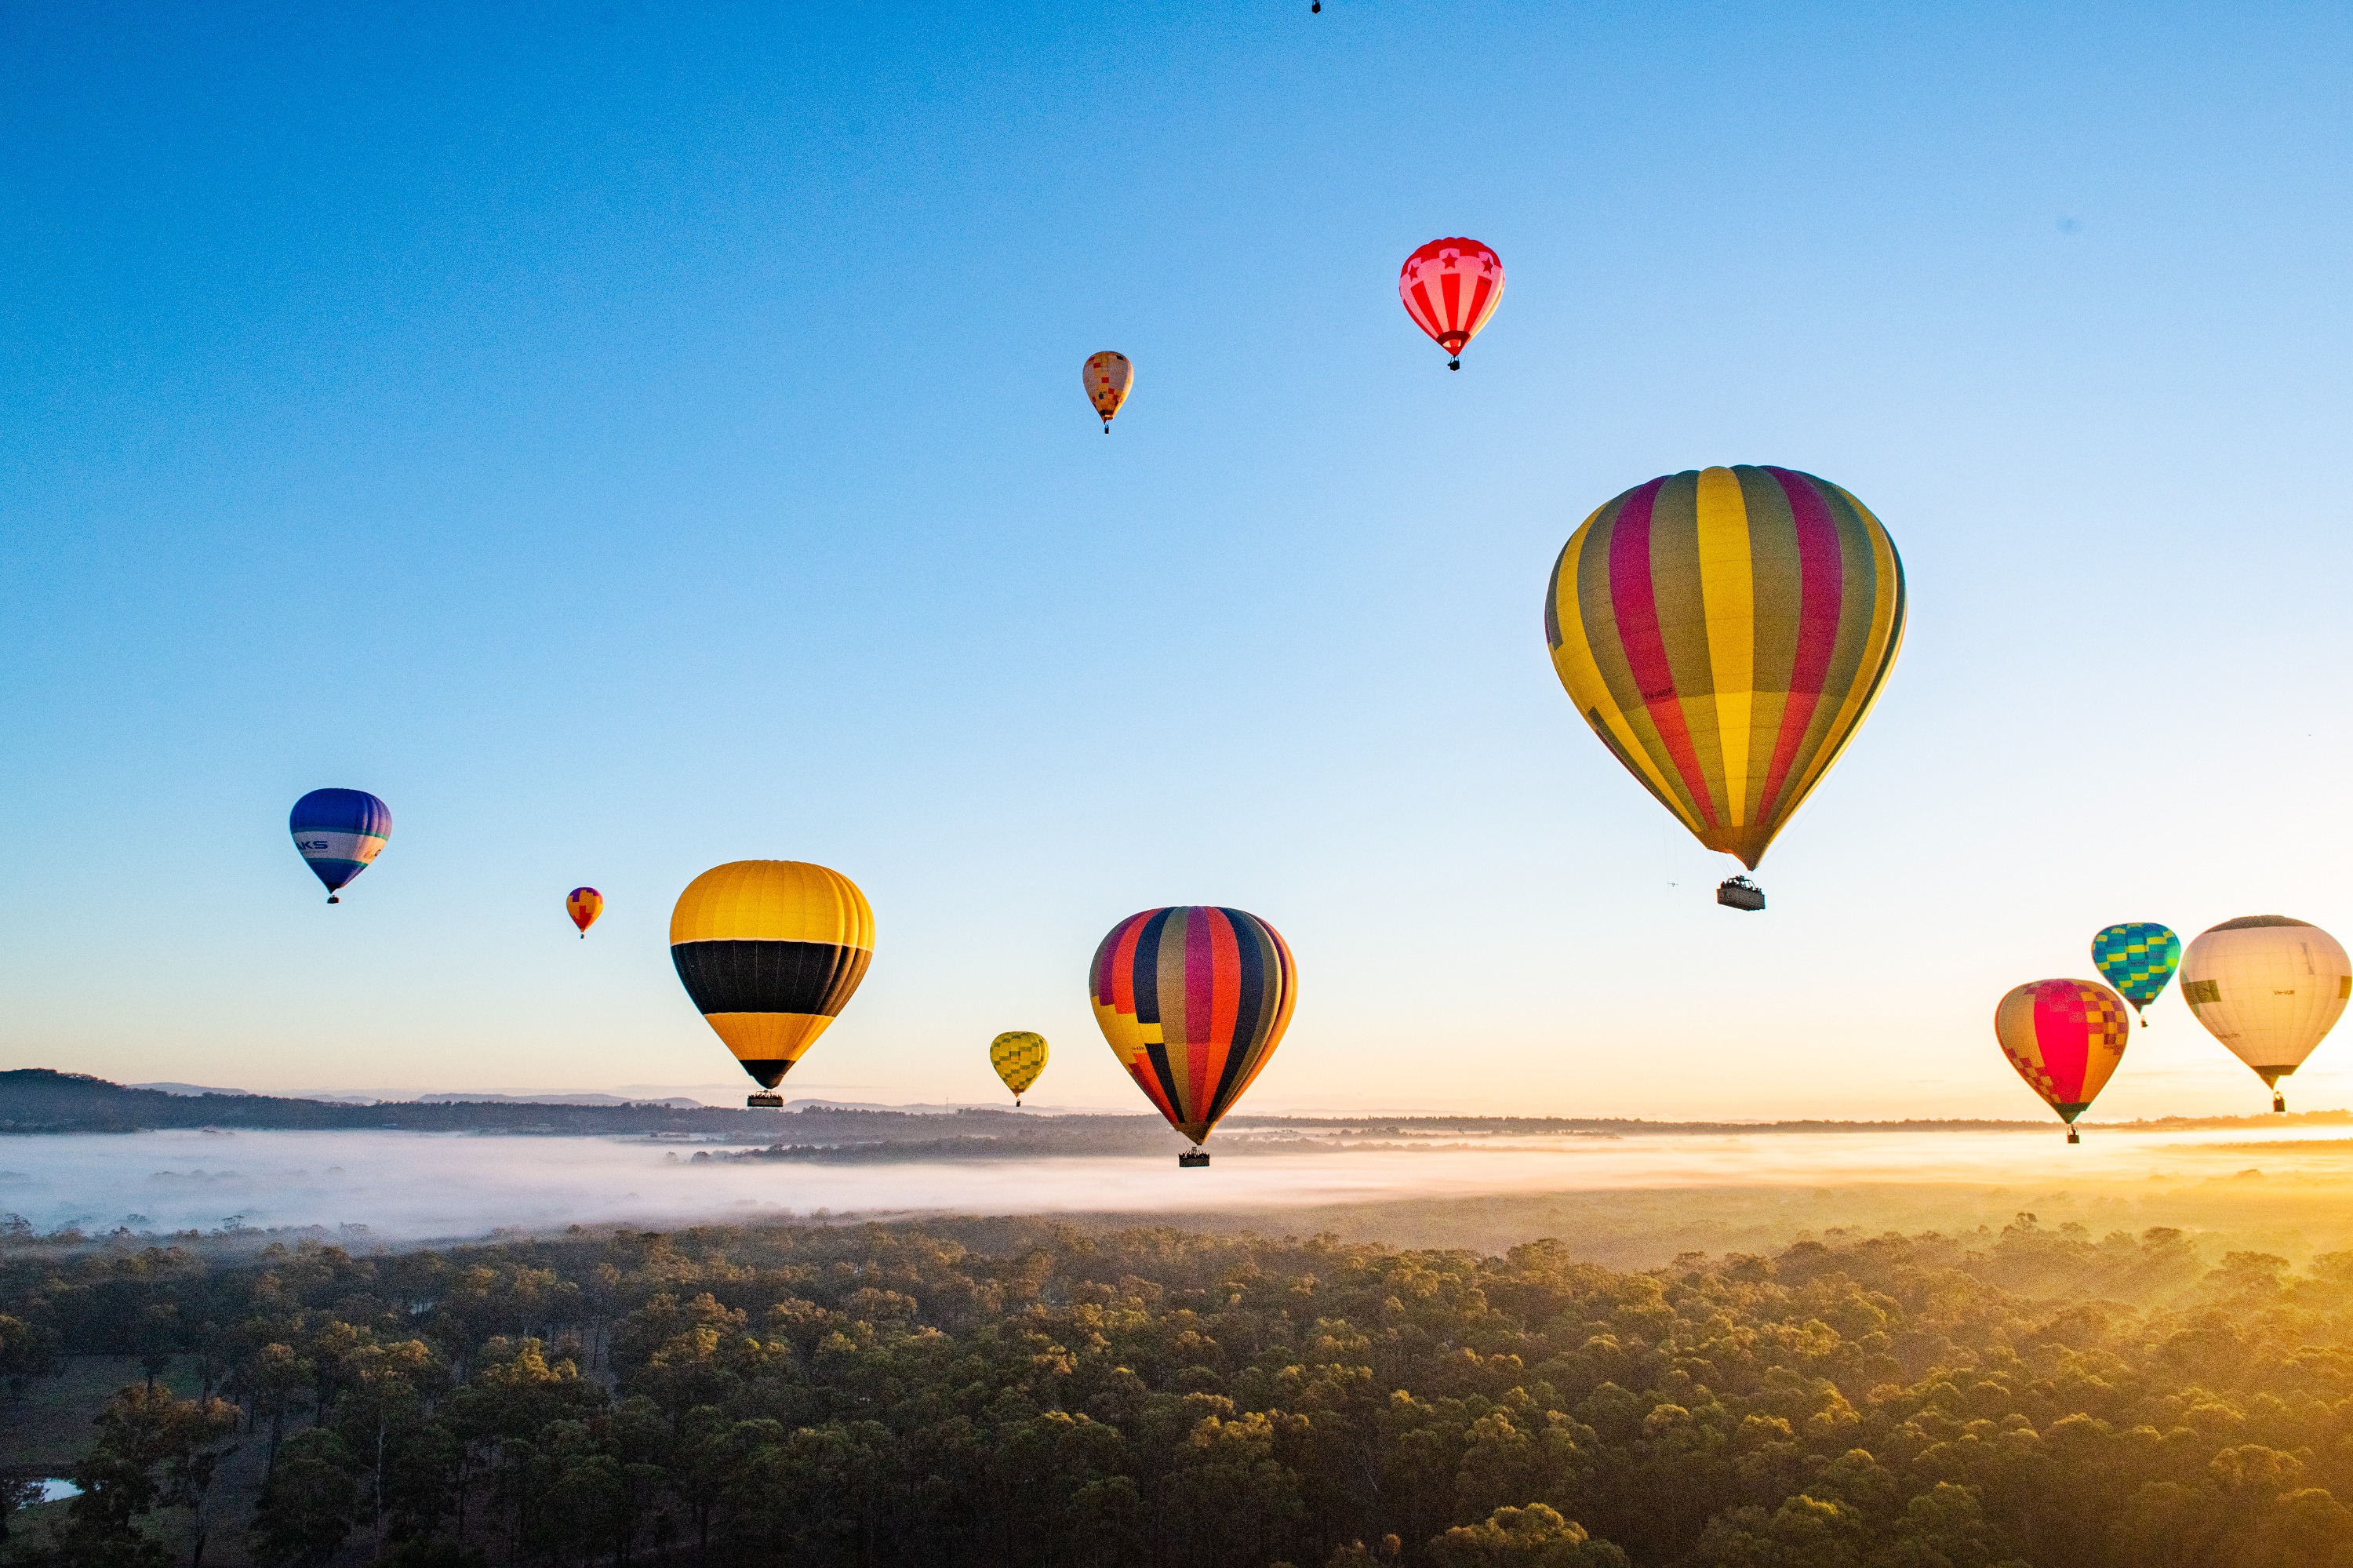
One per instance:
[(1451, 287), (771, 951), (1724, 632), (584, 904), (2267, 987), (1019, 1057), (339, 832), (1108, 376), (2136, 958), (1193, 1000), (2064, 1037)]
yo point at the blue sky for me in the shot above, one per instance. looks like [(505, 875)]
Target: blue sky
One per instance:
[(629, 438)]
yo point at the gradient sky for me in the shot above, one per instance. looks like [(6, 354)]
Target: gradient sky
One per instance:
[(629, 437)]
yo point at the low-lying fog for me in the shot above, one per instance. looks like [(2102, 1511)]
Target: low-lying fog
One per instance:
[(410, 1186)]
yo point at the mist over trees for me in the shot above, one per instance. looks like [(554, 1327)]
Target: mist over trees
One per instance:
[(1013, 1392)]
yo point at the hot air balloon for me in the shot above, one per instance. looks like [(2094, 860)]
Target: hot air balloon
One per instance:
[(1108, 376), (2064, 1037), (771, 951), (2136, 958), (584, 904), (1194, 1000), (2269, 988), (1450, 288), (1724, 632), (340, 834), (1019, 1057)]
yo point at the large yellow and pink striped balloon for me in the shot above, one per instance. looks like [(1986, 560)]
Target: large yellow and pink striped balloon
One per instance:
[(1724, 632)]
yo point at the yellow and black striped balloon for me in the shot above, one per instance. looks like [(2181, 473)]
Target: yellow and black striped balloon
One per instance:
[(771, 950)]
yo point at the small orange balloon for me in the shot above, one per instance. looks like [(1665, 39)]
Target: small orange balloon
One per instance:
[(584, 904)]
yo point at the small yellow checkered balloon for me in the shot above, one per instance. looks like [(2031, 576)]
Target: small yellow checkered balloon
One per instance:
[(1019, 1057)]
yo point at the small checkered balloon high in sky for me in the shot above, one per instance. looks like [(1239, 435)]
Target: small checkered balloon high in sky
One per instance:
[(1108, 376), (2136, 958), (2064, 1037)]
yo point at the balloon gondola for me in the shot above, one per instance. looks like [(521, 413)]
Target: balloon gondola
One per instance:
[(770, 951), (1724, 632), (1739, 893)]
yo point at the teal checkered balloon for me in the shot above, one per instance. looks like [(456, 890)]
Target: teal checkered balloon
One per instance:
[(2136, 958)]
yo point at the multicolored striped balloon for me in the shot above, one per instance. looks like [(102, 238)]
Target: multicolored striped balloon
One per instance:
[(339, 833), (1450, 288), (584, 904), (2136, 958), (1194, 1000), (1108, 376), (1724, 632), (2064, 1037)]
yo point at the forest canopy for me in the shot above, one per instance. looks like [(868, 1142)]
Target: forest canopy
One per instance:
[(1014, 1391)]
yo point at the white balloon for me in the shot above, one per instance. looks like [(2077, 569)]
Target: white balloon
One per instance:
[(2267, 987)]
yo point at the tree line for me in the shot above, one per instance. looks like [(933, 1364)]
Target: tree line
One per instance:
[(996, 1394)]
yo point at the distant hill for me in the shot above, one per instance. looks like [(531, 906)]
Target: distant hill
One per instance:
[(39, 1101)]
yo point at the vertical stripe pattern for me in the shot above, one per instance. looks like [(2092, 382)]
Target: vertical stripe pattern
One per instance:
[(1193, 1000), (1724, 632), (1450, 288)]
